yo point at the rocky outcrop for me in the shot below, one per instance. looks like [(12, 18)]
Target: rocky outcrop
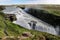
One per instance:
[(10, 17), (44, 16)]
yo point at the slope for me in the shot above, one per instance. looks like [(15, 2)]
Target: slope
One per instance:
[(16, 30)]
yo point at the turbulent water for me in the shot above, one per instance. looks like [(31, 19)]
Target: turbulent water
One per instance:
[(28, 21)]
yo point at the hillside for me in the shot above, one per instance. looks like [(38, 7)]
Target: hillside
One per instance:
[(7, 28), (53, 9), (50, 8)]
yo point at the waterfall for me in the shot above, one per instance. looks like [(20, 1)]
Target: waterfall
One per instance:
[(23, 19), (58, 29)]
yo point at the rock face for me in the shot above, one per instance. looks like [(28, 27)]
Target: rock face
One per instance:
[(41, 38), (24, 18), (10, 17), (27, 34), (23, 38), (8, 38), (2, 8), (46, 17)]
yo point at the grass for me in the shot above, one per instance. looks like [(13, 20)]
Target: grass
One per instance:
[(53, 10)]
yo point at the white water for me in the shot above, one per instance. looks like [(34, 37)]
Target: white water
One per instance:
[(24, 18)]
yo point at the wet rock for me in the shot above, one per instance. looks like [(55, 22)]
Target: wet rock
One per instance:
[(27, 34), (39, 37), (8, 38)]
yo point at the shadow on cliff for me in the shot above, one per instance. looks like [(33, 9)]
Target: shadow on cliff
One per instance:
[(45, 16)]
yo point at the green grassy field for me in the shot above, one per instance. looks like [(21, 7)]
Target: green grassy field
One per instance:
[(53, 9)]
